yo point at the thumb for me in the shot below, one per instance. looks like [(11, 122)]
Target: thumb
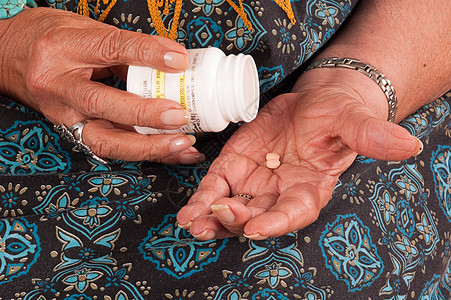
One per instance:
[(378, 139)]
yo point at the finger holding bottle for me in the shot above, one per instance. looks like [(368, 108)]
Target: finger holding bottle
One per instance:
[(60, 86)]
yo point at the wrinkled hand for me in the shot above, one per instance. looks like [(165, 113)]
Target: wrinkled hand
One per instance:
[(318, 132), (49, 61)]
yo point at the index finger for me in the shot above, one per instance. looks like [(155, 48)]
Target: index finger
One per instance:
[(106, 45)]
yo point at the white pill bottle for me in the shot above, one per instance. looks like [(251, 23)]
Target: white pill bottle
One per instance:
[(216, 89)]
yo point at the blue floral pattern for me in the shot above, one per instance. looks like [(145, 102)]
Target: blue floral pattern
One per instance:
[(208, 6), (204, 31), (31, 147), (171, 243), (19, 248), (441, 168), (244, 39), (350, 254)]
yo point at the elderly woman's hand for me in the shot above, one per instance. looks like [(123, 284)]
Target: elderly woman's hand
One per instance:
[(317, 131), (49, 61)]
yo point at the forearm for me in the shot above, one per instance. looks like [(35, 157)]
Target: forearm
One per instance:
[(406, 40)]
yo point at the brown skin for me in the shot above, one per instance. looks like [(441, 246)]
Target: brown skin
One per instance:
[(331, 116), (49, 58)]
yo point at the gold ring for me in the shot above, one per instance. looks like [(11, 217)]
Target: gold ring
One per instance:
[(248, 197)]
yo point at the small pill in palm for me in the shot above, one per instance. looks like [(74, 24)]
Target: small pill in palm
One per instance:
[(272, 155), (273, 163)]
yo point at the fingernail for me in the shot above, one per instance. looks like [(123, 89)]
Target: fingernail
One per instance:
[(223, 212), (205, 235), (420, 146), (185, 226), (181, 143), (191, 158), (255, 236), (176, 60), (174, 117)]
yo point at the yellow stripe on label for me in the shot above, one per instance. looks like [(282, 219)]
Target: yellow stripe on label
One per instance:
[(182, 92), (159, 84)]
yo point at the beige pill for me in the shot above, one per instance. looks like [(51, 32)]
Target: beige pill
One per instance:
[(273, 163), (272, 155)]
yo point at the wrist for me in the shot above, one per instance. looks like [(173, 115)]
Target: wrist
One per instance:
[(5, 76), (406, 43), (350, 82), (8, 12), (14, 53), (369, 71)]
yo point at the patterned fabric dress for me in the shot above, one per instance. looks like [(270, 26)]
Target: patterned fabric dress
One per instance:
[(73, 229)]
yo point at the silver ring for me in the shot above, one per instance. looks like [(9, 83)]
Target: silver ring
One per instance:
[(77, 130), (73, 134), (248, 197)]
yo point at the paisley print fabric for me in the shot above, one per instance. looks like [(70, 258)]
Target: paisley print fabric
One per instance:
[(73, 229), (30, 147), (109, 232)]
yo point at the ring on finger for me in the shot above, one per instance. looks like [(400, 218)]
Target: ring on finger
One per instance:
[(73, 134), (248, 197)]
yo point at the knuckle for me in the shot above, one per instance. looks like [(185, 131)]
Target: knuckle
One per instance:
[(362, 137), (142, 46), (118, 43), (101, 146), (37, 78), (36, 83), (112, 45), (141, 115), (91, 101), (151, 151), (47, 39)]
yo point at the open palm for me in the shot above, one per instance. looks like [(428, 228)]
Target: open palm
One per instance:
[(317, 134)]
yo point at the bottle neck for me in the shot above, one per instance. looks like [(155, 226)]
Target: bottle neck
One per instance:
[(238, 88)]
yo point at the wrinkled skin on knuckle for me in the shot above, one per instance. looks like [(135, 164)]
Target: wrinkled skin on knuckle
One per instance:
[(101, 146), (111, 45), (91, 101), (139, 46), (152, 151), (141, 115), (155, 44), (362, 137)]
